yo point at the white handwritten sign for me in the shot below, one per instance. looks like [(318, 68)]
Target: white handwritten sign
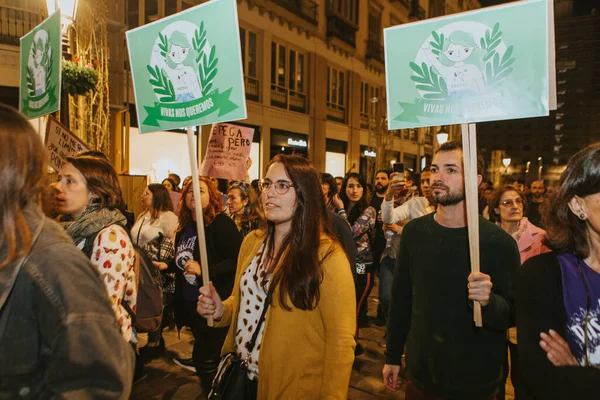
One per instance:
[(61, 143), (228, 151)]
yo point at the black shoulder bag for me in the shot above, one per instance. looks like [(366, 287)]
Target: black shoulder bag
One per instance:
[(231, 381)]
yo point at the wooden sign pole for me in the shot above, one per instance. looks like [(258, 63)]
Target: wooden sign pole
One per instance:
[(199, 214), (469, 140)]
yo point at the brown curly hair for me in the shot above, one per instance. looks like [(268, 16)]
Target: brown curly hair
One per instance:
[(214, 207)]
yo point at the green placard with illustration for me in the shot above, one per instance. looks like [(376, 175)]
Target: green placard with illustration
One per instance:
[(39, 92), (483, 65), (187, 68)]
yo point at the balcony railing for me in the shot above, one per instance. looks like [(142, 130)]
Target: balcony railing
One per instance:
[(288, 99), (307, 9), (16, 22), (339, 26), (374, 50), (251, 86), (336, 112)]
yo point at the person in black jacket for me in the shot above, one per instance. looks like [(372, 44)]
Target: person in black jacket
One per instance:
[(558, 293), (222, 246), (433, 290)]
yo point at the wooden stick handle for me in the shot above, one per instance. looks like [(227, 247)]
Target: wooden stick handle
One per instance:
[(469, 140), (199, 213)]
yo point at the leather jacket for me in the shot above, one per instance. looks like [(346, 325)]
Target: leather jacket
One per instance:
[(61, 338)]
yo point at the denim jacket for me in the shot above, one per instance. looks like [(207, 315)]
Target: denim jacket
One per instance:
[(62, 339)]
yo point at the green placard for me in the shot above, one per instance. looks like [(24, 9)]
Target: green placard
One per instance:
[(187, 68), (39, 91), (483, 65)]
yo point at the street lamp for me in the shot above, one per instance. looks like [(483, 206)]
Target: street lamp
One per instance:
[(506, 162), (442, 136), (540, 169)]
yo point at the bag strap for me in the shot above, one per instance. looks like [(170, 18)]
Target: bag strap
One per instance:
[(6, 305), (250, 345)]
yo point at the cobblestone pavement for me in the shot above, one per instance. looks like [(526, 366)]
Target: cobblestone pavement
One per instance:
[(166, 380)]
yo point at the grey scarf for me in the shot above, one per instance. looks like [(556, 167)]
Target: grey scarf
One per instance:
[(93, 220)]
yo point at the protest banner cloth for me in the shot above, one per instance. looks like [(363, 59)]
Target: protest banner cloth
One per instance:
[(40, 69), (61, 143), (187, 71), (483, 65), (228, 151)]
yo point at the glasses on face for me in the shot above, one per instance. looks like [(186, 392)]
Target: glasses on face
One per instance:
[(281, 186), (516, 202)]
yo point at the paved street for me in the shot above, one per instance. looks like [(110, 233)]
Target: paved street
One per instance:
[(168, 381)]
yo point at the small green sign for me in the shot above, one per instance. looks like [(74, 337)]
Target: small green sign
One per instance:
[(187, 68), (483, 65), (39, 92)]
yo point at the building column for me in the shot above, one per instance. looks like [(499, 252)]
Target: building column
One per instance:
[(317, 138), (353, 154), (264, 54)]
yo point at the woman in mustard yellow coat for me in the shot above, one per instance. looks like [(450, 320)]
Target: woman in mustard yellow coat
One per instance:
[(305, 347)]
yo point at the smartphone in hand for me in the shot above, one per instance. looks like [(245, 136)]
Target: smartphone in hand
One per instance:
[(399, 169)]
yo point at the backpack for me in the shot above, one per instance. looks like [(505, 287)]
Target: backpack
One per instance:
[(149, 310)]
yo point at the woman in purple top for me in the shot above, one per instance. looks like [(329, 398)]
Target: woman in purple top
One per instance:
[(558, 293)]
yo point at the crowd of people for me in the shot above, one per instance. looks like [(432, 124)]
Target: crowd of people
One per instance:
[(292, 259)]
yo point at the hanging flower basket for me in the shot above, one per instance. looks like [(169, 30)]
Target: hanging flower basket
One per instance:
[(77, 79)]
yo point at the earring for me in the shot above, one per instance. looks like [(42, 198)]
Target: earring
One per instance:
[(582, 216)]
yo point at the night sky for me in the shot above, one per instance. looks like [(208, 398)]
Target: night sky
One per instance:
[(580, 7)]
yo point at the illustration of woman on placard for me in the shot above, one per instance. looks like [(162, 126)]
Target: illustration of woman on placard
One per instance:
[(40, 59), (460, 63), (178, 64)]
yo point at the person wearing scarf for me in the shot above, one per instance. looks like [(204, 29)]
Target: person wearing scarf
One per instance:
[(89, 199)]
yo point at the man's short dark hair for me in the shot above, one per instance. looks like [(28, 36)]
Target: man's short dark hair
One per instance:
[(385, 171), (454, 145)]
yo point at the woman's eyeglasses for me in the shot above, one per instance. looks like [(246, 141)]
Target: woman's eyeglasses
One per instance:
[(509, 202), (281, 187)]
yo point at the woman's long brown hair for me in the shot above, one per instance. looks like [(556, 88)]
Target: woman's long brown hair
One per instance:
[(301, 271), (22, 179), (214, 207)]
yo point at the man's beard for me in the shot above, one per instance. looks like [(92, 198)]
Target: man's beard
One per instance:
[(447, 198), (380, 189)]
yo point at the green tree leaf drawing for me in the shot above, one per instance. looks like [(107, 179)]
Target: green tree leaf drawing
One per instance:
[(163, 44), (162, 84), (490, 41), (30, 82), (49, 66), (438, 43), (207, 63), (429, 81), (496, 68)]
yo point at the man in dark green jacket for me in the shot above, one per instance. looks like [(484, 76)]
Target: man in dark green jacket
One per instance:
[(431, 311)]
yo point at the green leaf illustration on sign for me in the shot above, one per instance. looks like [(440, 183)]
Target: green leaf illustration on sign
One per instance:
[(429, 82), (438, 43), (40, 68), (475, 66), (187, 68), (162, 85)]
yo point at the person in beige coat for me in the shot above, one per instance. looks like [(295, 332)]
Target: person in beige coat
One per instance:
[(305, 347)]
